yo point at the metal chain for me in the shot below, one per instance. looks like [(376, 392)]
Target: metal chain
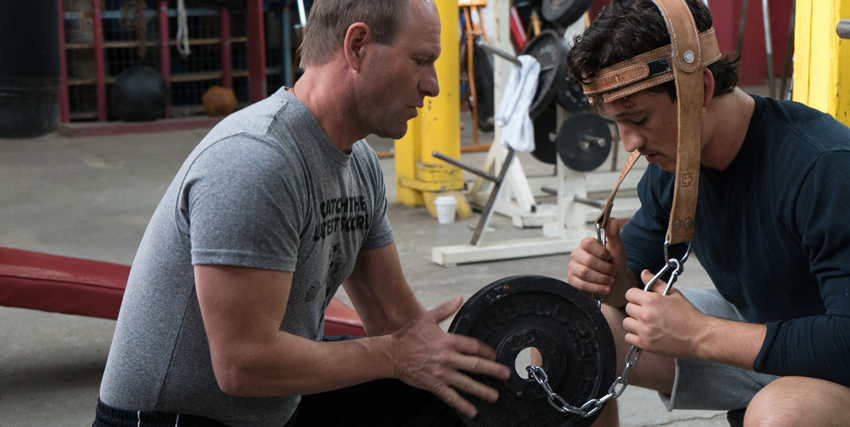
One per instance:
[(676, 267)]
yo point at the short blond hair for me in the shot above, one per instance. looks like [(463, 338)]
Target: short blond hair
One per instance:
[(330, 19)]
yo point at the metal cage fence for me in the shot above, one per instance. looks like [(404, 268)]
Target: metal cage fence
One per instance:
[(102, 38)]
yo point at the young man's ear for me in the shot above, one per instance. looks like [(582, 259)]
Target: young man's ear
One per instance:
[(356, 43), (708, 80)]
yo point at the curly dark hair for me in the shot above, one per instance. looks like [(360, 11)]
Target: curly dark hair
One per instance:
[(627, 28)]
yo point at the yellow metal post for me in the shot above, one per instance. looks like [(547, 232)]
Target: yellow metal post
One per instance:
[(406, 153), (441, 115), (438, 130), (821, 58)]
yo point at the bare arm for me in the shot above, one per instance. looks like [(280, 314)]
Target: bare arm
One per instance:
[(732, 343), (380, 293), (242, 309)]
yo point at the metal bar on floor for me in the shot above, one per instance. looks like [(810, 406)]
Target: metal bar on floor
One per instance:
[(464, 166), (487, 212)]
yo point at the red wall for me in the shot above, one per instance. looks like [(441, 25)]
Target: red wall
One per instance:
[(727, 16)]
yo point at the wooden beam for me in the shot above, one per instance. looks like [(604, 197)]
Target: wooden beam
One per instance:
[(99, 63), (165, 51), (226, 53), (257, 87)]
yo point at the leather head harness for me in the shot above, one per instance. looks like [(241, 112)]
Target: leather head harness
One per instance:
[(683, 60)]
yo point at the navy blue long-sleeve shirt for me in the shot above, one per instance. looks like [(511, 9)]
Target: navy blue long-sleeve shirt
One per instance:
[(773, 233)]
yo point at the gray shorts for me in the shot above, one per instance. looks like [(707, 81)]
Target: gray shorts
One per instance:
[(701, 384)]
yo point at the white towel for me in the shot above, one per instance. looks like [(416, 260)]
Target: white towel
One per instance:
[(512, 116)]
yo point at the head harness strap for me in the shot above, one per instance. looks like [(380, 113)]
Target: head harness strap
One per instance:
[(687, 55), (644, 71)]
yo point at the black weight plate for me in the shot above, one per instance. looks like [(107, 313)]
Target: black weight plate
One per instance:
[(550, 50), (482, 69), (545, 132), (570, 332), (571, 96), (564, 12), (526, 3), (584, 142)]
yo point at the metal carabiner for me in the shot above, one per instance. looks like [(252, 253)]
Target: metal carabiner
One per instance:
[(684, 258), (602, 238), (677, 267)]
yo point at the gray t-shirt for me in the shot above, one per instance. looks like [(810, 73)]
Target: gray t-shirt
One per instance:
[(265, 189)]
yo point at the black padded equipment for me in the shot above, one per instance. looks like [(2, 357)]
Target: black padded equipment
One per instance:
[(139, 94), (29, 68)]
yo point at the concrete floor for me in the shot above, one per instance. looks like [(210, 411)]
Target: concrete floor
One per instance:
[(92, 198)]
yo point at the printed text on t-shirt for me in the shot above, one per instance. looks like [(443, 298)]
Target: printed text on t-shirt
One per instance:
[(342, 214)]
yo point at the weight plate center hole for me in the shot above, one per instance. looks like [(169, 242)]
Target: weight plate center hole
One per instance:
[(527, 356)]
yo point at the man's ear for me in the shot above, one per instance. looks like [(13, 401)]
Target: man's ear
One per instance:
[(708, 80), (357, 39)]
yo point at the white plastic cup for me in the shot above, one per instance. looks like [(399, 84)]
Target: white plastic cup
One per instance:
[(446, 208)]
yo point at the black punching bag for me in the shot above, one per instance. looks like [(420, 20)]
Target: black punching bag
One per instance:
[(139, 94), (29, 68)]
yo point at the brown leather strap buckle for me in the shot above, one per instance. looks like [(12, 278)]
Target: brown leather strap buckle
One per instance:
[(644, 71)]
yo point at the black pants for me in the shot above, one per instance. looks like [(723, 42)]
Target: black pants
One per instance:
[(379, 403), (107, 416)]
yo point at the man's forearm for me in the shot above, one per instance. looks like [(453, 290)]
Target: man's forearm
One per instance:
[(380, 293), (384, 314), (404, 314), (292, 365), (729, 342)]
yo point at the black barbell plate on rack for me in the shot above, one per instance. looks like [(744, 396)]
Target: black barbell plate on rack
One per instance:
[(563, 324), (550, 50), (564, 12), (545, 133), (584, 142), (483, 71), (571, 96)]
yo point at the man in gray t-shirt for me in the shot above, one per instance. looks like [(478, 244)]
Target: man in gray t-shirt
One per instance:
[(278, 206)]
